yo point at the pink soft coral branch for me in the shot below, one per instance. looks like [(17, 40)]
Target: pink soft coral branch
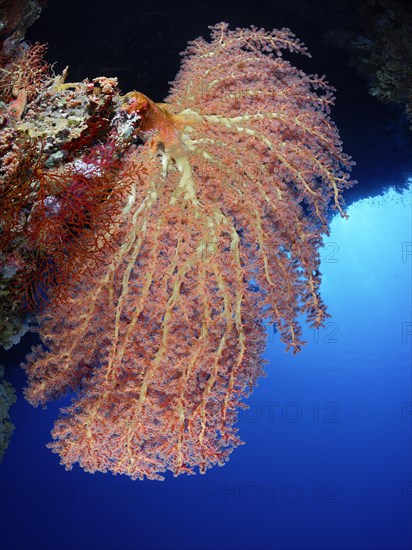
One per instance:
[(164, 341)]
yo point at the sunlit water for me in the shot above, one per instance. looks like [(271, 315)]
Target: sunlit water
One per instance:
[(327, 464)]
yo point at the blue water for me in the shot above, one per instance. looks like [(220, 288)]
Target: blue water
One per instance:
[(327, 460)]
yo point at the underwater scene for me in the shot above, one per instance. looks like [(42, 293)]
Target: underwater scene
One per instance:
[(205, 275)]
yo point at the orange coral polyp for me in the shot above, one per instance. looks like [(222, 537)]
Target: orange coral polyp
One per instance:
[(153, 118), (164, 131)]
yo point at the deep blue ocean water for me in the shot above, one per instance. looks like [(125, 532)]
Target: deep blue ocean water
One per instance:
[(327, 461)]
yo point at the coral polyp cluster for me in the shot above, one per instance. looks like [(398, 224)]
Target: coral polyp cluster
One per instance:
[(153, 242), (61, 146), (162, 339)]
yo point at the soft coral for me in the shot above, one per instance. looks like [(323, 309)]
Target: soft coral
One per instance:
[(26, 71), (58, 219)]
